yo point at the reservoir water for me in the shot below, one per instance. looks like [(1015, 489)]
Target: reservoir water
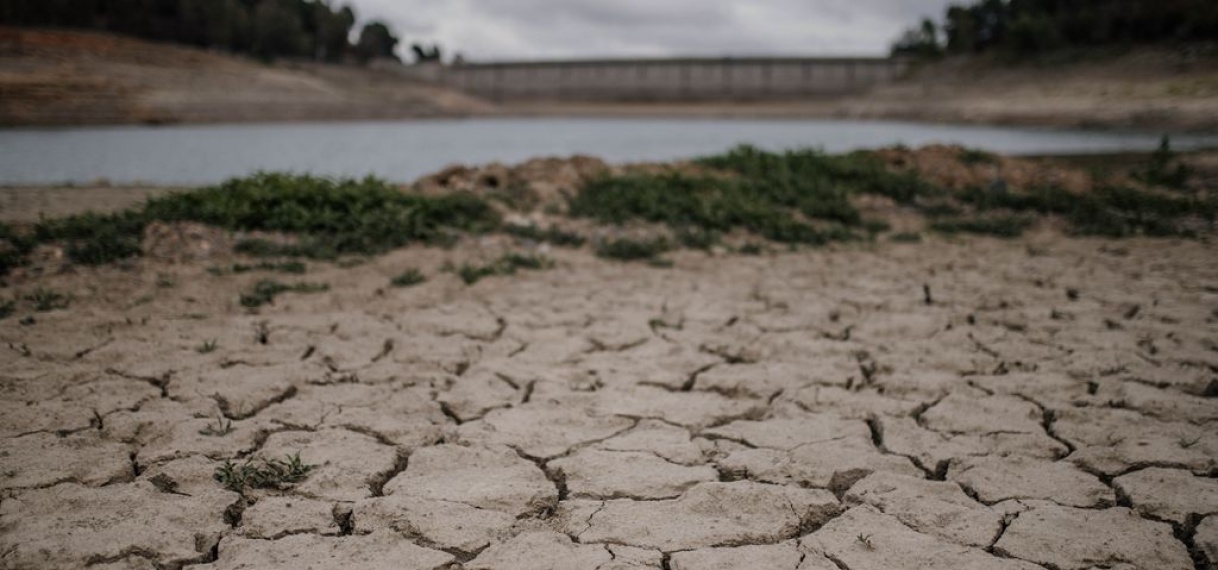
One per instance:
[(402, 151)]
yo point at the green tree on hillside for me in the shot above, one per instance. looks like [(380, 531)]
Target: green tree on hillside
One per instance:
[(376, 41)]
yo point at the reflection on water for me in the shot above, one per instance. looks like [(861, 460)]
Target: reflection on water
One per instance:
[(403, 151)]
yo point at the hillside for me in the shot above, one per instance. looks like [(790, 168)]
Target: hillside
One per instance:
[(72, 78), (1148, 88)]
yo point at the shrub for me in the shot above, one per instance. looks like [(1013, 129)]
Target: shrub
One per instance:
[(506, 265), (266, 290), (408, 278), (626, 249)]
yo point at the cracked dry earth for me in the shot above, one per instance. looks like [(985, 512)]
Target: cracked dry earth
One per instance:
[(1044, 403)]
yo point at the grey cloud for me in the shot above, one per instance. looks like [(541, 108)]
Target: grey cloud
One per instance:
[(524, 29)]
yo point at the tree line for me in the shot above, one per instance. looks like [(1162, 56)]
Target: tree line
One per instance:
[(1028, 27), (267, 29)]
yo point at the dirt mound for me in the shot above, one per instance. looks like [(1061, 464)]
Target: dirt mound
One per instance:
[(958, 168), (62, 77)]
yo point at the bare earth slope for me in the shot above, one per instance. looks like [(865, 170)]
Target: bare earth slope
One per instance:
[(1146, 89), (57, 77)]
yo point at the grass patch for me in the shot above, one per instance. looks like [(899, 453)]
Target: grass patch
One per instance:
[(262, 473), (265, 291), (1111, 211), (906, 237), (793, 197), (333, 218), (974, 156), (46, 300), (627, 249), (696, 238), (408, 278), (553, 235), (509, 264), (291, 267)]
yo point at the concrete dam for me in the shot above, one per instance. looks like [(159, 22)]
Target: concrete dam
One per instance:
[(687, 79)]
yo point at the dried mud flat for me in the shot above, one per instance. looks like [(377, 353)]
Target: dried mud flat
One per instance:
[(980, 404)]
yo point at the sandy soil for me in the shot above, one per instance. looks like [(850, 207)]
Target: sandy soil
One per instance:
[(973, 403), (71, 78)]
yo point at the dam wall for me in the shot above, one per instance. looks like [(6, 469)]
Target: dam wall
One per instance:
[(732, 79)]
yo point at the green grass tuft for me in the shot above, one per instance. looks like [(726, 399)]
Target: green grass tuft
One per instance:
[(262, 473), (553, 234), (506, 265), (331, 218), (408, 278), (627, 249), (265, 291), (46, 300)]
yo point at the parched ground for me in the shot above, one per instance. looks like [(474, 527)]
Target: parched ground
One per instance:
[(954, 404)]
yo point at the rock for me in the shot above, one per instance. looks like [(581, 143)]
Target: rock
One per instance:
[(864, 538), (445, 524), (667, 441), (712, 514), (476, 393), (1078, 539), (191, 475), (541, 551), (490, 477), (240, 391), (1206, 538), (833, 464), (276, 517), (378, 551), (631, 558), (20, 418), (164, 430), (542, 430), (764, 379), (1170, 495), (960, 413), (83, 525), (996, 479), (347, 465), (44, 459), (782, 556), (595, 474), (934, 450), (790, 433), (694, 410), (859, 405), (930, 507), (1111, 441)]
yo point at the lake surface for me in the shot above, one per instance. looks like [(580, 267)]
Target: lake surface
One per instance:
[(405, 150)]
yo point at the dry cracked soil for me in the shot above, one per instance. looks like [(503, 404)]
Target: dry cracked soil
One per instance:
[(955, 404)]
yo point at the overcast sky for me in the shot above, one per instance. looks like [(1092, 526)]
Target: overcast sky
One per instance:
[(529, 29)]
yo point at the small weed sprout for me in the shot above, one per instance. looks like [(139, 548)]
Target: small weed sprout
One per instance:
[(207, 347), (265, 291), (506, 265), (408, 278), (221, 428), (46, 300), (865, 540), (1187, 442), (262, 473)]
